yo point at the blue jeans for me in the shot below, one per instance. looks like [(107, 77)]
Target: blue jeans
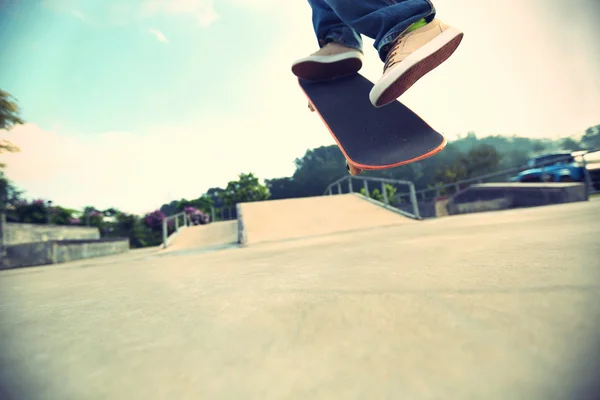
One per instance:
[(343, 21)]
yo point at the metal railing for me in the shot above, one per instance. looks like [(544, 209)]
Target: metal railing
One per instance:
[(591, 170), (382, 182), (166, 238)]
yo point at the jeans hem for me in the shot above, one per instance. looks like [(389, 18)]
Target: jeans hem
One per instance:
[(391, 36), (333, 37)]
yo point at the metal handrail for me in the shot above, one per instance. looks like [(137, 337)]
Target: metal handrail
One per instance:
[(165, 235), (383, 181)]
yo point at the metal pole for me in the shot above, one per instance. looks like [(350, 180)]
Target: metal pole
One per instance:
[(164, 233), (2, 239), (384, 192), (350, 188), (366, 187), (176, 223), (413, 200), (588, 181)]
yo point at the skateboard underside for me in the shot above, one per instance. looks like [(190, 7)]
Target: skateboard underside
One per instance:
[(369, 137)]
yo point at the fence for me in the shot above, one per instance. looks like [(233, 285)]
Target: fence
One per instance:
[(405, 204)]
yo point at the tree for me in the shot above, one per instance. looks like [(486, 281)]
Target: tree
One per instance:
[(9, 194), (246, 189), (570, 144), (318, 168), (35, 212), (480, 160), (591, 138), (61, 216), (376, 193), (9, 117)]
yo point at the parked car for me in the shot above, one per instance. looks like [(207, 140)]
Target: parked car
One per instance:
[(554, 167)]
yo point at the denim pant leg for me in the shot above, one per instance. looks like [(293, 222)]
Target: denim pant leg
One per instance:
[(381, 20), (329, 27)]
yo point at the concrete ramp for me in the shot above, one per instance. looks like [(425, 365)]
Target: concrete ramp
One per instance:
[(204, 236), (310, 216)]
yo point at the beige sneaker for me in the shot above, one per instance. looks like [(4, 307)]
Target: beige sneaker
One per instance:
[(413, 55), (331, 61)]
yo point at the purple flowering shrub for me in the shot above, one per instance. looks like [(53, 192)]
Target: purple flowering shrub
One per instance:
[(154, 220), (196, 216)]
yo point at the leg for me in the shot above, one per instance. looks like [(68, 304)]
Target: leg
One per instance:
[(407, 37), (382, 20), (330, 28), (340, 52)]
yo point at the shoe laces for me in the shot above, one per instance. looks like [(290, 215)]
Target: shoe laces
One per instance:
[(390, 57)]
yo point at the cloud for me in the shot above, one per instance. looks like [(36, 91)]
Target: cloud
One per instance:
[(79, 15), (158, 35), (138, 173), (203, 11), (69, 7)]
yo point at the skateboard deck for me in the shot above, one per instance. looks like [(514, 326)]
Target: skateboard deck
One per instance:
[(370, 138)]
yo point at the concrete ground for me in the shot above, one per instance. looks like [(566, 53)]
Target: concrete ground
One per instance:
[(496, 305)]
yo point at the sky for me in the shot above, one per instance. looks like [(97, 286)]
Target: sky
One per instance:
[(135, 103)]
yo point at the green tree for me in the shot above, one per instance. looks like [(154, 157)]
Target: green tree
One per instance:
[(246, 189), (9, 117), (318, 168), (480, 160), (9, 194), (570, 144), (35, 212), (376, 193), (60, 215), (9, 111), (591, 138)]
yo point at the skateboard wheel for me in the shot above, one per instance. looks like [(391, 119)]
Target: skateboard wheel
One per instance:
[(310, 107), (353, 170)]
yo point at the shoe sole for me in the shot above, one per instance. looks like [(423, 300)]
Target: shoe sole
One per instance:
[(319, 71), (416, 65)]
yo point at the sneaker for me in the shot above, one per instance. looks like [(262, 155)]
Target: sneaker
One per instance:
[(331, 61), (414, 54)]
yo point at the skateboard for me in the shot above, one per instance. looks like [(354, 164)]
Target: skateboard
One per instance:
[(370, 138)]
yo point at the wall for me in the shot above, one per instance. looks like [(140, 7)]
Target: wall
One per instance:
[(53, 252), (501, 196), (17, 233), (70, 250)]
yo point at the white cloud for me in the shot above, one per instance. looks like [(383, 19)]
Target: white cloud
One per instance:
[(79, 15), (70, 7), (158, 35), (203, 11)]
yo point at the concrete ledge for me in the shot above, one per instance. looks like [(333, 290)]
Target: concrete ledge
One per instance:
[(502, 196), (21, 233), (60, 251)]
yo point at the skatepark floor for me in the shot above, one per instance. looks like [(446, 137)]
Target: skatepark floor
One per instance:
[(499, 305)]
